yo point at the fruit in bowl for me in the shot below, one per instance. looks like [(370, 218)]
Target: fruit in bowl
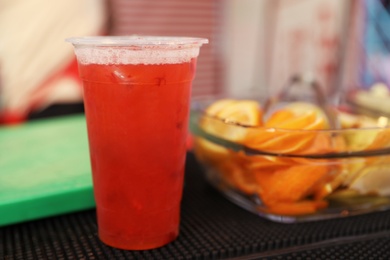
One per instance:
[(290, 164)]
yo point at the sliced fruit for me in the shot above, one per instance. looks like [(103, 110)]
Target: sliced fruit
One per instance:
[(278, 141), (282, 132), (244, 112), (224, 115), (222, 119), (375, 134), (267, 163), (348, 120), (215, 123), (329, 184), (236, 175), (377, 98), (290, 120), (218, 105), (297, 208), (382, 139), (305, 112), (291, 184), (209, 152), (373, 179)]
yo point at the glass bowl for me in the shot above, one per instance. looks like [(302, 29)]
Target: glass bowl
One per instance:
[(294, 175)]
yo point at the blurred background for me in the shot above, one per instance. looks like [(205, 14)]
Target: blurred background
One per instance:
[(255, 46)]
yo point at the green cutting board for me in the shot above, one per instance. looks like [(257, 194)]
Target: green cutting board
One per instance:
[(44, 169)]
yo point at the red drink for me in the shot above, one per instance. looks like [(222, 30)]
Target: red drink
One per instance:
[(137, 116)]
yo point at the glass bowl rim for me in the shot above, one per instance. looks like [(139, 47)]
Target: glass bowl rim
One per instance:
[(196, 129)]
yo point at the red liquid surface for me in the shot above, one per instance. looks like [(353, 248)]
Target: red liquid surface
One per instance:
[(137, 118)]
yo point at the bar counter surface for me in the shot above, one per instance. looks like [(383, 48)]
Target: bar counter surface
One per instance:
[(211, 228)]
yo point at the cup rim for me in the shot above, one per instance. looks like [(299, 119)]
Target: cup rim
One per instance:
[(137, 41)]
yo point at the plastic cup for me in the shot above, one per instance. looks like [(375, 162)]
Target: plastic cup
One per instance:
[(136, 98)]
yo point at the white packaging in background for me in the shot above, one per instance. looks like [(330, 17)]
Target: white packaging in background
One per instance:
[(306, 37)]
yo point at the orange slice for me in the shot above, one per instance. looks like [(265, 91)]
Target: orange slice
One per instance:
[(283, 129), (225, 118), (244, 112), (209, 152), (295, 140), (267, 163), (291, 184), (222, 119), (298, 115), (218, 105), (224, 115), (297, 208)]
